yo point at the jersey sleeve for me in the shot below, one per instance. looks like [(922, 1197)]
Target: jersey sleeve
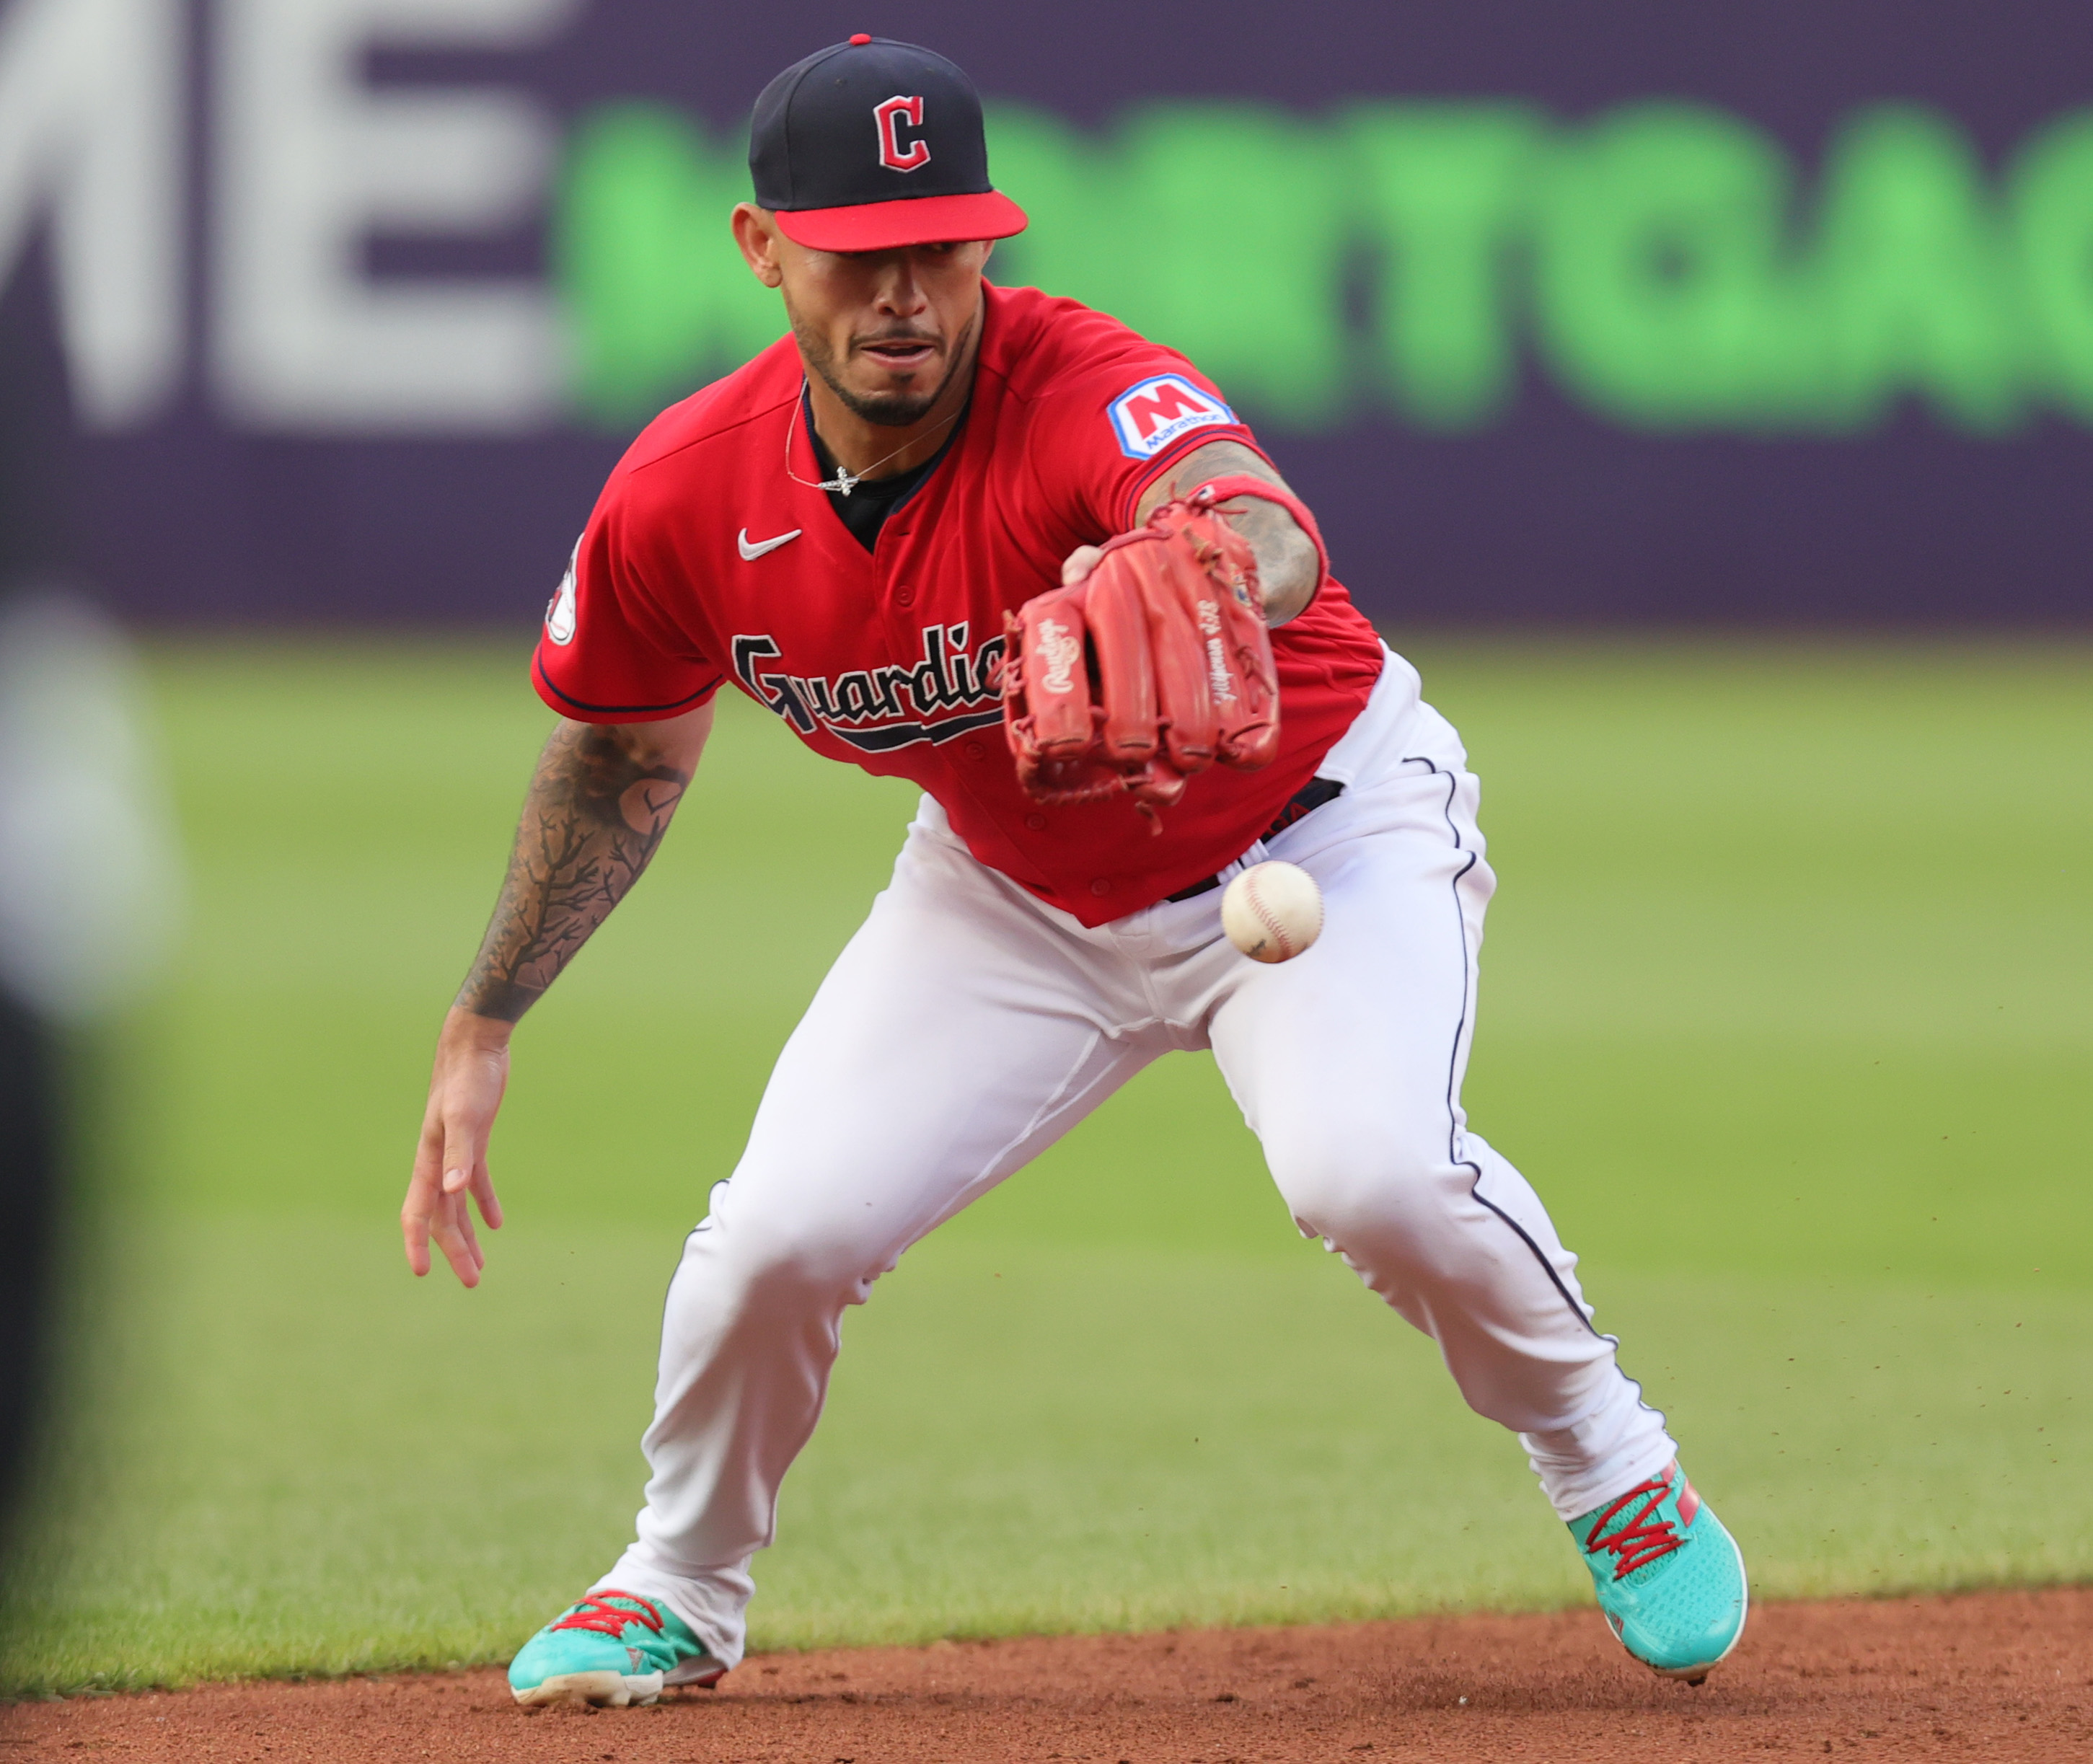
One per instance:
[(1115, 426), (609, 651)]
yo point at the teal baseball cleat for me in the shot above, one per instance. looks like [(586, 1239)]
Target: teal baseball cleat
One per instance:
[(1671, 1580), (612, 1650)]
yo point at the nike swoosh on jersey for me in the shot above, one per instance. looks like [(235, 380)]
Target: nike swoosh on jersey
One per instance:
[(752, 552)]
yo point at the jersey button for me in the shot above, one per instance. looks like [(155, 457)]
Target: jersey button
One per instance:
[(1037, 823), (1101, 886), (976, 751), (904, 597)]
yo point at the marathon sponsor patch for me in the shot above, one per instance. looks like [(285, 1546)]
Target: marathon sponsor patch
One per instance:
[(1149, 417)]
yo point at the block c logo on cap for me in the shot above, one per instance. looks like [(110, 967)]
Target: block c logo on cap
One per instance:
[(888, 118), (1149, 417)]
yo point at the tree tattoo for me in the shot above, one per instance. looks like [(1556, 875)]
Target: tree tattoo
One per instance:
[(596, 813)]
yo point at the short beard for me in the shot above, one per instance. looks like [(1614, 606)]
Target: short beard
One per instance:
[(886, 411)]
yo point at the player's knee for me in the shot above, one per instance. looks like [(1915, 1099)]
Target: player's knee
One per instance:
[(787, 1259), (1367, 1188)]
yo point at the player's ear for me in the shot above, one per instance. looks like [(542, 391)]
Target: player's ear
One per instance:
[(757, 234)]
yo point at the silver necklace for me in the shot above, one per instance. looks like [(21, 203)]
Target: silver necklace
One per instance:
[(845, 480)]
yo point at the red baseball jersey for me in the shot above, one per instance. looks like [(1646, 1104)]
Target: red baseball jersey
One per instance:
[(706, 563)]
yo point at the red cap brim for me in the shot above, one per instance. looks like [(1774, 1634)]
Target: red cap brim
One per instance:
[(921, 220)]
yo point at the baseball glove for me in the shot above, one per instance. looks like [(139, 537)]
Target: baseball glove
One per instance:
[(1155, 666)]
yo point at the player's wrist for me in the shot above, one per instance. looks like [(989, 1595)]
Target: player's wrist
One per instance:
[(464, 1024)]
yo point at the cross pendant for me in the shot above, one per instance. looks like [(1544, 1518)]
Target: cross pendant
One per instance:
[(842, 483)]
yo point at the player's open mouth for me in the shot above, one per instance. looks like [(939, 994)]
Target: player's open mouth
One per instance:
[(901, 355)]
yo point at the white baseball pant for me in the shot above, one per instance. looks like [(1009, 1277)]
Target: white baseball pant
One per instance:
[(967, 1025)]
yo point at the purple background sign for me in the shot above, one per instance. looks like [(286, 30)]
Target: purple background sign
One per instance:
[(248, 442)]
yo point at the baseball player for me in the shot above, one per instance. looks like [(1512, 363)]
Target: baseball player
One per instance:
[(843, 529)]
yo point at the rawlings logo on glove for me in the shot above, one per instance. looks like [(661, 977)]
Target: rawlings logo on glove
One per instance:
[(1154, 667)]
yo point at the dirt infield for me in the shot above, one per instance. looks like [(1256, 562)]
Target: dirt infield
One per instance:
[(1985, 1676)]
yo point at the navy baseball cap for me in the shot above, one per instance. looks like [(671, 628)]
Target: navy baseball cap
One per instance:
[(873, 145)]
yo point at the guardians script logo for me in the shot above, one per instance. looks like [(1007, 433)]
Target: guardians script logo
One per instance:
[(878, 710)]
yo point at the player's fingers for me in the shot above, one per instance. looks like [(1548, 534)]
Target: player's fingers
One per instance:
[(423, 1188), (470, 1234), (415, 1225), (482, 1191), (1079, 563), (457, 1210), (456, 1244)]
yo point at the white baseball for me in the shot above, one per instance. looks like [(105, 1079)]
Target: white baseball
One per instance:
[(1272, 912)]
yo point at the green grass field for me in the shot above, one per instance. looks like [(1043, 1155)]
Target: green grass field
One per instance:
[(1786, 1012)]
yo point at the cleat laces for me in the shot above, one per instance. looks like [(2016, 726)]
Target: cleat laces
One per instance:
[(1645, 1537), (597, 1613)]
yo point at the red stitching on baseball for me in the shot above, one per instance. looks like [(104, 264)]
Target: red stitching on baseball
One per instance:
[(1273, 925)]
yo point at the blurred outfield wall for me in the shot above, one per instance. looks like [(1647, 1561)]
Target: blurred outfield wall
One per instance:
[(1574, 312)]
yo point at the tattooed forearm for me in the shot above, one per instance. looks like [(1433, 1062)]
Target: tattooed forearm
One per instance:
[(1286, 563), (598, 807)]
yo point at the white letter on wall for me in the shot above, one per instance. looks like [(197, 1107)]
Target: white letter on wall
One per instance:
[(309, 163), (90, 115)]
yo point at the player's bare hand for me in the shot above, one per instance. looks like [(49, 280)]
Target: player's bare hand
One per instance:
[(1079, 563), (450, 1164)]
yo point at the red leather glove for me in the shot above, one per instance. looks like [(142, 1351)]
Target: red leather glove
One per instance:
[(1155, 666)]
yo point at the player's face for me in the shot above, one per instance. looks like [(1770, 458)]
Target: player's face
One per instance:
[(888, 331)]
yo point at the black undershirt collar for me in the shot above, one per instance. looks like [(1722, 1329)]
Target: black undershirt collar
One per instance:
[(865, 510)]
